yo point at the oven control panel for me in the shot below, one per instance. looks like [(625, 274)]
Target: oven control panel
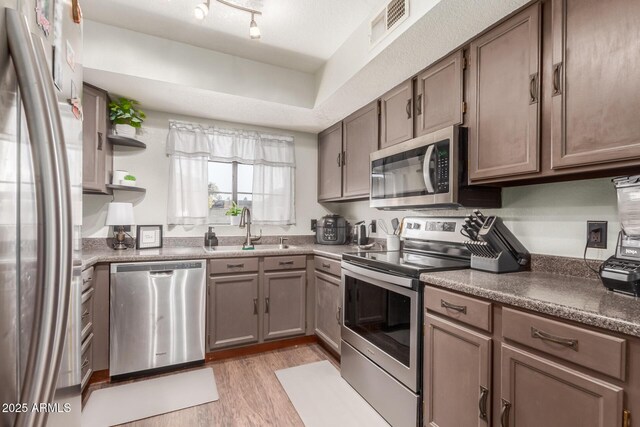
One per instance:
[(431, 228)]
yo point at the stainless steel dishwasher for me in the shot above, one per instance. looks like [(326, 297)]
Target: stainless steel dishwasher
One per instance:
[(157, 312)]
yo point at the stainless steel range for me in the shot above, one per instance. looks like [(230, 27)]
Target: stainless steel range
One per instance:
[(382, 316)]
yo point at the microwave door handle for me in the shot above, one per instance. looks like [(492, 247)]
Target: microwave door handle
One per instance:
[(426, 170)]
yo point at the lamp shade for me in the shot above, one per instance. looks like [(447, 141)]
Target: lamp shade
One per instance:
[(120, 214)]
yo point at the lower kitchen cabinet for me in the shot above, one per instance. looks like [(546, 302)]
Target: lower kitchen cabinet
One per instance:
[(233, 310), (528, 371), (284, 304), (538, 392), (328, 310), (457, 375)]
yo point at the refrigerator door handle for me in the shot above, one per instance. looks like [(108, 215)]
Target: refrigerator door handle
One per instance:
[(53, 201)]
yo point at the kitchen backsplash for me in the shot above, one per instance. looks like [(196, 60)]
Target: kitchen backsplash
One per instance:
[(548, 219)]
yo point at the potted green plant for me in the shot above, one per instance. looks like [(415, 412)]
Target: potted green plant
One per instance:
[(129, 181), (233, 213), (125, 117)]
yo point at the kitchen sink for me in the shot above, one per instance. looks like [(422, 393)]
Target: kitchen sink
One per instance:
[(235, 248)]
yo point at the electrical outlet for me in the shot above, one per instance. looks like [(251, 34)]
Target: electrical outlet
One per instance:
[(373, 225), (597, 234), (314, 224)]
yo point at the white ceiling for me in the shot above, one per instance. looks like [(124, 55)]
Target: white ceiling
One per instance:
[(296, 34)]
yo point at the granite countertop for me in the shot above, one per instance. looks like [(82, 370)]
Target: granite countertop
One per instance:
[(106, 254), (572, 298)]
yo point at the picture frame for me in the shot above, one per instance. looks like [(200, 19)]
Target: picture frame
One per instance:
[(148, 236)]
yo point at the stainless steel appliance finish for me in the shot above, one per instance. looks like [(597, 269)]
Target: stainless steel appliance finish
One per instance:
[(40, 217), (398, 404), (157, 315), (426, 172), (332, 230), (382, 316)]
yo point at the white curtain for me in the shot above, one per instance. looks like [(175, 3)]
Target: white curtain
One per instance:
[(272, 156)]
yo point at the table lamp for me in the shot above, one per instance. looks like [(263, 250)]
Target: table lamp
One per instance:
[(119, 215)]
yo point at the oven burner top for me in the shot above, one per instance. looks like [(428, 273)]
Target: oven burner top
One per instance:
[(408, 263)]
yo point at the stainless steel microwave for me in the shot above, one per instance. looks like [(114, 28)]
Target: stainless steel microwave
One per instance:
[(427, 172)]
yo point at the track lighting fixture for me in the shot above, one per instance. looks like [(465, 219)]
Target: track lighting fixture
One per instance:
[(254, 30), (202, 10)]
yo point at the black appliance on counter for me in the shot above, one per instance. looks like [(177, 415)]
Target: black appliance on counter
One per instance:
[(493, 246), (621, 272), (382, 314), (331, 230)]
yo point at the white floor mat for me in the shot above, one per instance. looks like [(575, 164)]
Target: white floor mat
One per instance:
[(323, 399), (147, 398)]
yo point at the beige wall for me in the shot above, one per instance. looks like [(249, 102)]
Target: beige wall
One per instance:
[(547, 218), (151, 167)]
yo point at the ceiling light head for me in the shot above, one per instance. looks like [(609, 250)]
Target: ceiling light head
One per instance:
[(201, 11), (254, 30)]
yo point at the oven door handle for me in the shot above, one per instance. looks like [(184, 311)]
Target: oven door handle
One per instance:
[(426, 169), (382, 279)]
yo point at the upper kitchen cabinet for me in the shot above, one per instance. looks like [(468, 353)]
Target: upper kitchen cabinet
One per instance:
[(396, 117), (439, 101), (595, 84), (343, 156), (504, 93), (330, 163), (360, 139), (97, 152)]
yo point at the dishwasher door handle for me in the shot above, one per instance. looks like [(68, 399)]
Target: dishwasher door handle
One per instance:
[(161, 273)]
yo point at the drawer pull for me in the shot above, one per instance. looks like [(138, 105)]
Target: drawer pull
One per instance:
[(85, 363), (235, 265), (567, 342), (459, 308), (87, 280), (325, 265), (286, 263), (482, 403), (255, 306), (504, 413), (85, 314)]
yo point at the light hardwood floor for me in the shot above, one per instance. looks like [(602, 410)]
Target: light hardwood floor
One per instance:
[(250, 393)]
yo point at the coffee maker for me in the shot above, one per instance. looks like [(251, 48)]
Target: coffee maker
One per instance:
[(621, 272)]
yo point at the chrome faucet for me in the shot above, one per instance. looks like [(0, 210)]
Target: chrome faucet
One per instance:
[(245, 221)]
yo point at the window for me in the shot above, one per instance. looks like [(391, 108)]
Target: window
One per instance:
[(228, 182)]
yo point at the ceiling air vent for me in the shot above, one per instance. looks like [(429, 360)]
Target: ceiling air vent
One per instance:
[(392, 15)]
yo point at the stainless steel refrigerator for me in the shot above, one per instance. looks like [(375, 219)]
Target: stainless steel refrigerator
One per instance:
[(40, 212)]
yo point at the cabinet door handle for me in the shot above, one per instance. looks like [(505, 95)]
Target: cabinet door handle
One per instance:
[(100, 141), (533, 88), (344, 158), (408, 108), (339, 162), (286, 263), (545, 336), (557, 90), (459, 308), (482, 403), (255, 306), (504, 413), (419, 104), (266, 305), (235, 265), (626, 418), (339, 314)]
